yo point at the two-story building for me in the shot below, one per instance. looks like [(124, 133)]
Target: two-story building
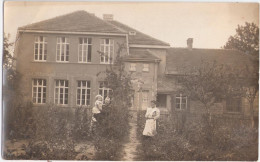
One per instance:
[(59, 60)]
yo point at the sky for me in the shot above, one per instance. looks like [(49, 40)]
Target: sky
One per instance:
[(209, 24)]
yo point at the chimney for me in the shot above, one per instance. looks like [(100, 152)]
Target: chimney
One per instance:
[(189, 43), (108, 17)]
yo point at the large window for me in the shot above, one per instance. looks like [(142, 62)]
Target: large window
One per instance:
[(62, 49), (234, 104), (40, 48), (103, 90), (61, 92), (85, 50), (107, 49), (39, 91), (83, 93), (181, 102)]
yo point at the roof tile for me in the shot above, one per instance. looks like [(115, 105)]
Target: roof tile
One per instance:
[(79, 21)]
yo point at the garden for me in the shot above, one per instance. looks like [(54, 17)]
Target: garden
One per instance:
[(191, 138)]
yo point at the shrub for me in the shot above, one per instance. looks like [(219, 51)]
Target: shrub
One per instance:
[(111, 132), (19, 121), (81, 123), (229, 141)]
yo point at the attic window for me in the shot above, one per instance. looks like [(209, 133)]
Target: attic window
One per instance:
[(132, 33)]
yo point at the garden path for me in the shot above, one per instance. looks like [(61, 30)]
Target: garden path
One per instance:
[(130, 147)]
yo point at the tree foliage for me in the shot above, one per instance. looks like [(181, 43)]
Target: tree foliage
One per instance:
[(113, 129), (7, 54), (246, 39), (205, 83)]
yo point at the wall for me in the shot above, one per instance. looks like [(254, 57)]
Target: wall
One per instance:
[(52, 70), (148, 81), (160, 53)]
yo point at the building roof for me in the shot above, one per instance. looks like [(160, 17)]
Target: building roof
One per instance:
[(183, 57), (82, 21), (79, 21), (141, 55), (138, 37)]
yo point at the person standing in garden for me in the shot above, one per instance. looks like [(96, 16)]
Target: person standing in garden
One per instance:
[(152, 114)]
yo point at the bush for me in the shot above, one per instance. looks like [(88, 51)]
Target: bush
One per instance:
[(81, 124), (19, 121), (227, 142)]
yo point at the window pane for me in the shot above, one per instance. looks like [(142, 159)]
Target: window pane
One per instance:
[(89, 53), (107, 41), (80, 41)]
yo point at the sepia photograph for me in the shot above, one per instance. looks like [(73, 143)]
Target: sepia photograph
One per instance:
[(130, 81)]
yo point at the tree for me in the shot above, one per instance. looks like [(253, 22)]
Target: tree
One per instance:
[(246, 39), (7, 54), (250, 89), (114, 126), (205, 83)]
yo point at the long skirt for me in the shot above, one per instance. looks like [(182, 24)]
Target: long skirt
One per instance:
[(150, 128)]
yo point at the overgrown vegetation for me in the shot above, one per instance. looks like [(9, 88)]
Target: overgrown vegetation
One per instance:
[(112, 132), (206, 136), (230, 140)]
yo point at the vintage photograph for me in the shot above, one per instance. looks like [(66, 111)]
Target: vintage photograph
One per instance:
[(130, 81)]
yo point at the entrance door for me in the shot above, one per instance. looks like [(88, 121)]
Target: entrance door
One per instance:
[(145, 99)]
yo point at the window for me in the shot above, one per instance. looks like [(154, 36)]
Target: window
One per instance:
[(146, 67), (61, 92), (103, 90), (62, 49), (132, 67), (234, 104), (39, 91), (40, 48), (145, 96), (161, 98), (107, 49), (85, 49), (181, 102), (83, 93)]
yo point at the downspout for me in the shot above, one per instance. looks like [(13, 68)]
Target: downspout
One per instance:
[(127, 45)]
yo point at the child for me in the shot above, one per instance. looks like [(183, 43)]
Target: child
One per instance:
[(97, 107)]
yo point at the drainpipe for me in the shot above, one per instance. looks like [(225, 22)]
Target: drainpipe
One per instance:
[(127, 45)]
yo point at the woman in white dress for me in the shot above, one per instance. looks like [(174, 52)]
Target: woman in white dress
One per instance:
[(152, 114)]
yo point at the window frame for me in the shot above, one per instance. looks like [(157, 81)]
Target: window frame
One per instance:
[(110, 59), (147, 97), (42, 87), (148, 67), (61, 44), (181, 97), (82, 51), (38, 43), (131, 67), (64, 90), (103, 89), (88, 87)]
